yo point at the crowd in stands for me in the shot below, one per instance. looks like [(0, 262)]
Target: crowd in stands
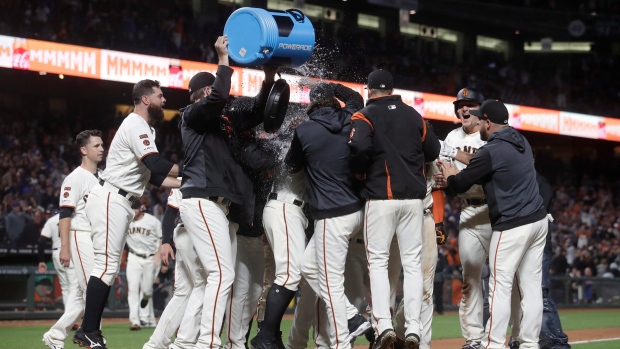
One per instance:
[(585, 83)]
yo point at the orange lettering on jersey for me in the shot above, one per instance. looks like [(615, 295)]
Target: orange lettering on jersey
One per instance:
[(144, 136)]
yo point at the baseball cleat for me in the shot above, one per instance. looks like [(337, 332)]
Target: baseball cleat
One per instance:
[(385, 340), (472, 345), (514, 345), (412, 341), (89, 340), (263, 343), (49, 343), (135, 327), (278, 340), (358, 325)]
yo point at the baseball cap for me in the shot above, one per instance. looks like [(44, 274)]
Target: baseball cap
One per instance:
[(15, 203), (200, 80), (320, 91), (380, 79), (492, 110)]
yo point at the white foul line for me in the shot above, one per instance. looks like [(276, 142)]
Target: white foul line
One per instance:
[(595, 340)]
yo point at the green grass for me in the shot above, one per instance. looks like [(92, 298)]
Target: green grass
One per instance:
[(446, 326)]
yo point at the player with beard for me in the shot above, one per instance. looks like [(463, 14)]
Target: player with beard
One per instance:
[(133, 161)]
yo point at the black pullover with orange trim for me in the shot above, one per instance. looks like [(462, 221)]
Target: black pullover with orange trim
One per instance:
[(390, 143), (319, 147)]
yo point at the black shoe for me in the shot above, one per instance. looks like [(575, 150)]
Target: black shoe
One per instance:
[(412, 341), (514, 345), (370, 337), (385, 340), (135, 327), (472, 345), (263, 343), (89, 340), (358, 325), (278, 340), (144, 302)]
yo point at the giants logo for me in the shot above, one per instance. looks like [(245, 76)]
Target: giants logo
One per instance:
[(140, 230), (468, 149)]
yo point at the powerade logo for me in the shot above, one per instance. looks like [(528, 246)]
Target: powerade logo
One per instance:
[(295, 47)]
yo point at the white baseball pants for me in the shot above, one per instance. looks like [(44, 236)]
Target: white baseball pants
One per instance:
[(82, 257), (140, 272), (208, 229), (268, 277), (474, 239), (429, 263), (66, 277), (384, 219), (109, 215), (246, 289), (186, 271), (310, 311), (325, 271), (285, 226), (516, 252)]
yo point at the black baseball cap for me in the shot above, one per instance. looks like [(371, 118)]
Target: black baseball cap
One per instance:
[(200, 80), (380, 79), (492, 110)]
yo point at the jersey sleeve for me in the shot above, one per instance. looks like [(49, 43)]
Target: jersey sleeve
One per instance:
[(174, 200), (70, 193), (47, 229), (142, 141)]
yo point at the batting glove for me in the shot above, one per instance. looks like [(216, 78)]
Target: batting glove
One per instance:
[(447, 150), (440, 233)]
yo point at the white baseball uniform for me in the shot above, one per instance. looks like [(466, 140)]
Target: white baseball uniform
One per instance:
[(269, 272), (74, 193), (189, 277), (143, 240), (429, 263), (310, 312), (109, 205), (66, 275), (474, 240), (285, 224), (246, 289)]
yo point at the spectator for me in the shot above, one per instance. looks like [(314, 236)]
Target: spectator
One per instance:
[(15, 223)]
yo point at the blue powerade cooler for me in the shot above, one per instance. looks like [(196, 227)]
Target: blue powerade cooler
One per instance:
[(260, 37)]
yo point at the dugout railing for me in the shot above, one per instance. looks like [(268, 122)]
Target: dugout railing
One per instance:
[(20, 294)]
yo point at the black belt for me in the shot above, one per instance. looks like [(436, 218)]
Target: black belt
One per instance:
[(142, 255), (121, 192), (54, 249), (274, 196), (476, 202)]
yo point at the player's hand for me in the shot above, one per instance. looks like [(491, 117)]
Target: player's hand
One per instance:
[(221, 47), (65, 256), (164, 251), (42, 267), (447, 169), (447, 150), (440, 233)]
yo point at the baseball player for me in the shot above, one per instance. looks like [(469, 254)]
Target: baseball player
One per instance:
[(433, 235), (474, 225), (143, 241), (505, 167), (76, 245), (334, 204), (390, 143), (133, 161), (269, 271), (188, 274), (66, 275)]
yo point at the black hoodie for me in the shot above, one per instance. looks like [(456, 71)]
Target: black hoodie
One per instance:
[(505, 168), (320, 147)]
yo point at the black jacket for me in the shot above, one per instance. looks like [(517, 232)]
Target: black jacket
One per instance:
[(505, 169), (390, 143), (320, 147)]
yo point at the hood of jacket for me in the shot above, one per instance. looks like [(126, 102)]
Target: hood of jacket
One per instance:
[(330, 118), (511, 136)]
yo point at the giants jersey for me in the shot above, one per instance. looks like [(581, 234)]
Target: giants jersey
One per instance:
[(133, 141), (431, 168), (144, 234), (290, 184), (469, 143), (50, 230), (75, 189)]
